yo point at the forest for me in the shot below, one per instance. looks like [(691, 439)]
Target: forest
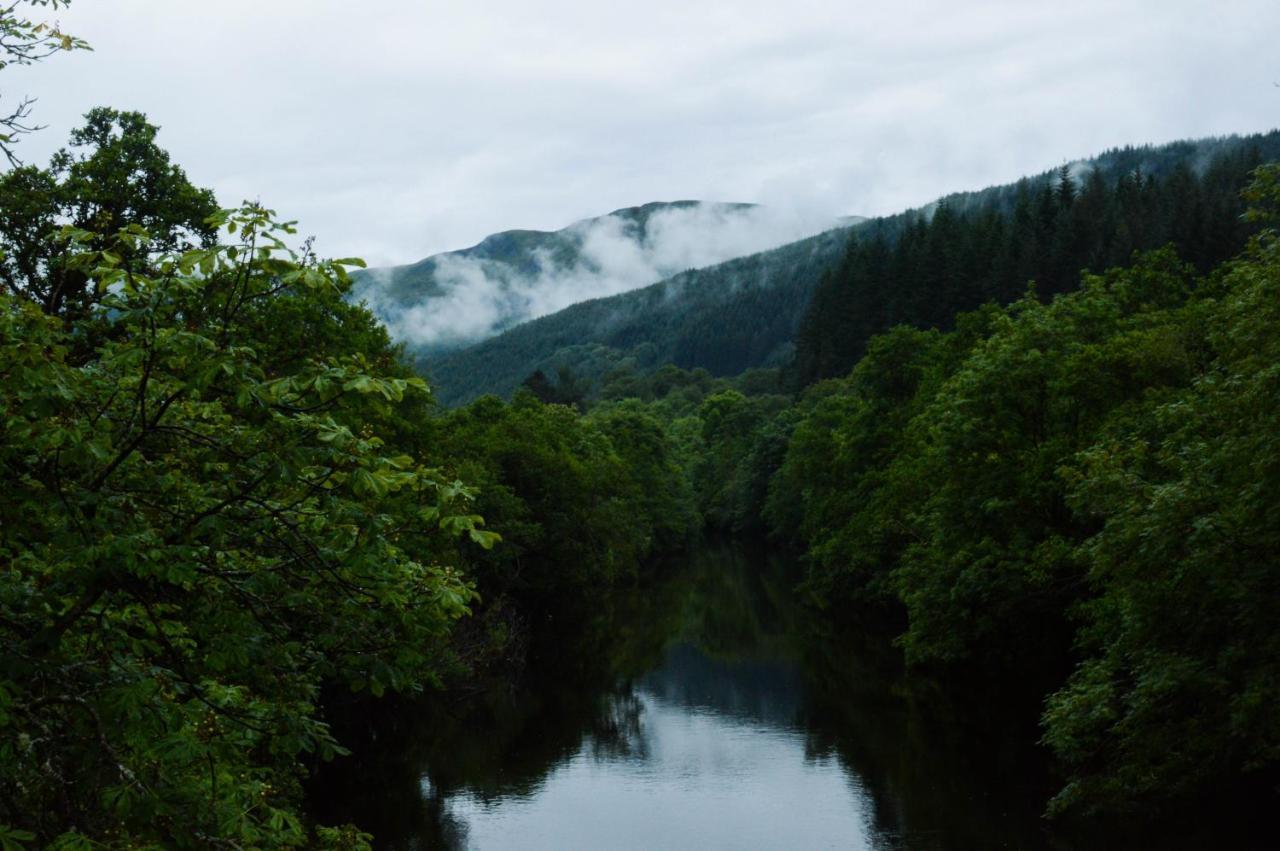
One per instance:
[(1033, 434), (987, 245)]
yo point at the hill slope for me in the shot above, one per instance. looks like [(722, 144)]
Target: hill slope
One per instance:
[(453, 299), (726, 318), (747, 312)]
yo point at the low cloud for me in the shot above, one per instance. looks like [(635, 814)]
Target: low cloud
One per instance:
[(477, 297)]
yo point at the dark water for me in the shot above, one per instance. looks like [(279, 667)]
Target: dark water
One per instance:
[(702, 712)]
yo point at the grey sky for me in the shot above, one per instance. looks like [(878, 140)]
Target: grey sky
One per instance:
[(394, 130)]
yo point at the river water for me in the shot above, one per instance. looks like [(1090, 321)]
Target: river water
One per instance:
[(701, 711)]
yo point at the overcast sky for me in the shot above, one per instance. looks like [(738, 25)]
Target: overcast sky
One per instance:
[(394, 130)]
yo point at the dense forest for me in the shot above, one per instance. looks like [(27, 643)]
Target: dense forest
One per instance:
[(726, 318), (231, 503), (825, 295), (928, 271)]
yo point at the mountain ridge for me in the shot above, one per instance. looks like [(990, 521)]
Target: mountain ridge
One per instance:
[(455, 298), (746, 312)]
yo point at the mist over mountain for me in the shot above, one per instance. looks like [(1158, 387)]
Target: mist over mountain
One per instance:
[(449, 300), (748, 312), (726, 318)]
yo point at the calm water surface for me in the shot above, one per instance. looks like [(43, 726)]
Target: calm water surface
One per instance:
[(698, 713), (708, 755)]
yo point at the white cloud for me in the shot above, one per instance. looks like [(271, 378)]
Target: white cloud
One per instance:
[(481, 297)]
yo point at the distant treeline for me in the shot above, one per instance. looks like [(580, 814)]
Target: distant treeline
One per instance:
[(815, 303), (926, 271)]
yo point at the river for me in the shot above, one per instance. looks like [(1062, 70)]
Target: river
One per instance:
[(702, 711)]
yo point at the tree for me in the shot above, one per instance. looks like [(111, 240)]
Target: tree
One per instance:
[(199, 529), (24, 42), (113, 175), (993, 566), (1181, 675)]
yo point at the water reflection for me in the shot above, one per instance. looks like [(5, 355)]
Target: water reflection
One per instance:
[(700, 713), (679, 775)]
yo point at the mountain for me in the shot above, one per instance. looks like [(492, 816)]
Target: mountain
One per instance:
[(726, 318), (749, 311), (450, 300), (1094, 215)]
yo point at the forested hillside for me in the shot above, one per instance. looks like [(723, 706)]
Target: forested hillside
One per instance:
[(726, 318), (501, 261), (985, 245), (1045, 231), (450, 300)]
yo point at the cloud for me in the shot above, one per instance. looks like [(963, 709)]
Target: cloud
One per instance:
[(479, 297), (395, 130)]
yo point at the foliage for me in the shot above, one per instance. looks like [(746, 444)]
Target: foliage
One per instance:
[(24, 41), (654, 464), (741, 444), (832, 489), (1181, 675), (992, 566), (114, 175), (580, 501), (199, 529)]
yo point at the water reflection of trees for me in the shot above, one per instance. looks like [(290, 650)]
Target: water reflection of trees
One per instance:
[(719, 634), (619, 733), (941, 773), (577, 695)]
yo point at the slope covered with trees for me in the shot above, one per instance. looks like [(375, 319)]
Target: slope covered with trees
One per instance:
[(920, 267), (926, 271), (726, 318), (510, 261), (520, 251)]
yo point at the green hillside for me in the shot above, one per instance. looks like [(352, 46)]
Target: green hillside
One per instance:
[(512, 265), (1044, 233), (750, 312), (726, 318)]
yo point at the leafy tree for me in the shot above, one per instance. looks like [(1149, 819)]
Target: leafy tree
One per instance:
[(579, 501), (832, 489), (114, 175), (199, 530), (662, 491), (568, 389), (539, 385), (1182, 671), (741, 443), (992, 567)]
